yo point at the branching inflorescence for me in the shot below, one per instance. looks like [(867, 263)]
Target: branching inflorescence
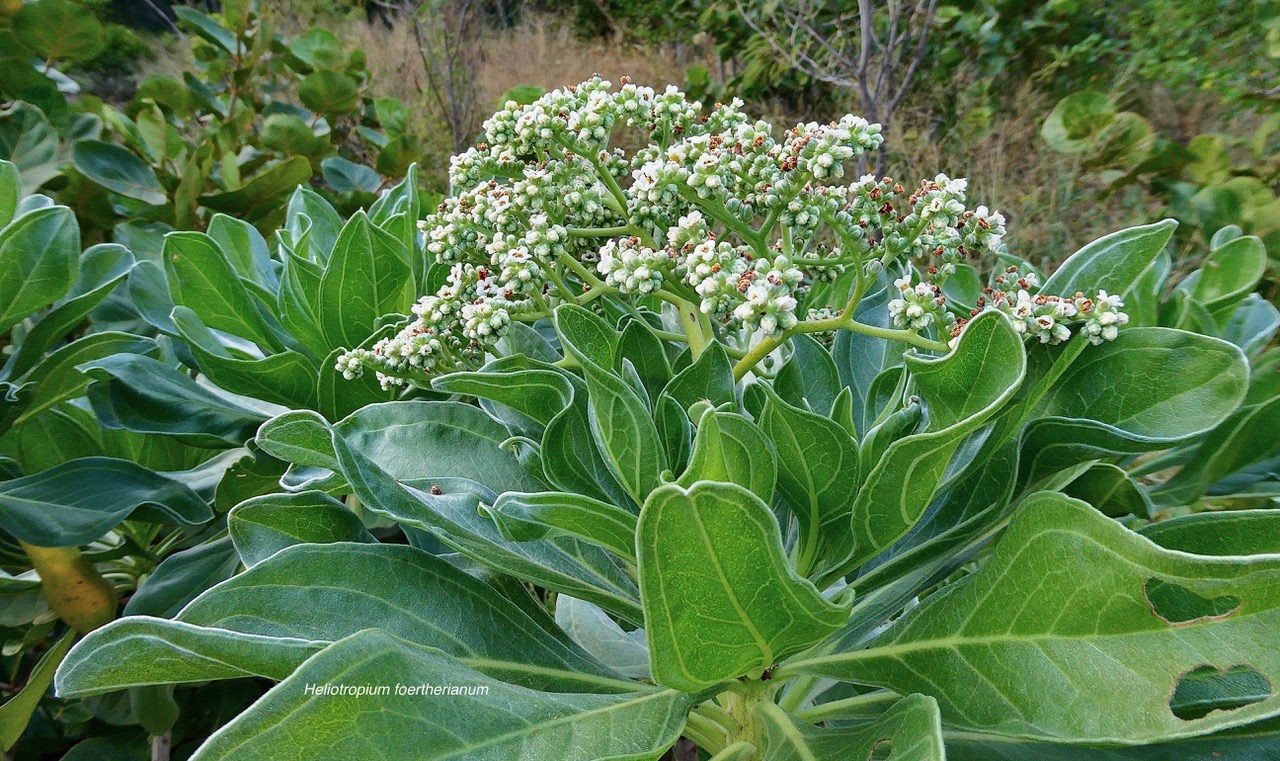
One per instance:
[(746, 237)]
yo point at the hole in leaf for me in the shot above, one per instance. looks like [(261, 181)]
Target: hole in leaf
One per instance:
[(882, 750), (1205, 689), (1178, 605)]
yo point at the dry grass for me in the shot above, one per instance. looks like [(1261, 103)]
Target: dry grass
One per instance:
[(1053, 205)]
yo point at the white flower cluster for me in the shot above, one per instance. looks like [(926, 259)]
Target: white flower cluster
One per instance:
[(714, 210), (632, 267), (1051, 318), (920, 305)]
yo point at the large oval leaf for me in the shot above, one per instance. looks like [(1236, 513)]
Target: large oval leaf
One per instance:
[(720, 599), (119, 170)]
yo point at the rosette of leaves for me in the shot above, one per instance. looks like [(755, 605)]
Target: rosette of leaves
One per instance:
[(610, 540), (229, 137)]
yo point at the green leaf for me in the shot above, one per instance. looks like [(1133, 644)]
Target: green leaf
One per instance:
[(39, 260), (102, 268), (58, 30), (16, 712), (808, 379), (591, 627), (31, 143), (413, 440), (290, 135), (318, 48), (329, 92), (728, 447), (487, 721), (208, 27), (347, 176), (1236, 532), (368, 276), (962, 390), (398, 589), (586, 337), (571, 460), (287, 378), (709, 378), (1248, 436), (910, 730), (860, 359), (1108, 597), (262, 526), (1176, 385), (57, 378), (1075, 121), (720, 599), (1257, 743), (202, 278), (313, 223), (10, 191), (560, 563), (817, 474), (179, 578), (264, 192), (79, 501), (522, 517), (536, 390), (119, 170), (147, 396), (1229, 273), (245, 248), (1109, 489), (646, 353), (620, 421), (1112, 263)]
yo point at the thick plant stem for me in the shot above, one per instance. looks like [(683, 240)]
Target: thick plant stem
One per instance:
[(741, 704), (74, 588)]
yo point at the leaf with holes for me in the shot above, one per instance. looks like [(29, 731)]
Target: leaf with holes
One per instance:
[(1145, 644)]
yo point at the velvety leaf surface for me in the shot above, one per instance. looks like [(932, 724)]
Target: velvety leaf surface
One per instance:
[(720, 598), (320, 593), (625, 651), (728, 447), (79, 501), (1113, 262), (262, 526), (1146, 390), (367, 276), (410, 440), (505, 722), (1235, 532), (818, 473), (522, 517), (1073, 610)]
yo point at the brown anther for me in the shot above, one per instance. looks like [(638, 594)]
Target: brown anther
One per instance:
[(436, 490)]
